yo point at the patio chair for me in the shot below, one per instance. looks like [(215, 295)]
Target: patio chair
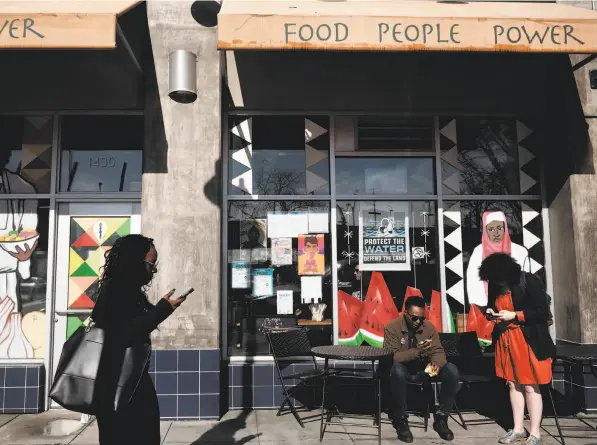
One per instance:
[(292, 343)]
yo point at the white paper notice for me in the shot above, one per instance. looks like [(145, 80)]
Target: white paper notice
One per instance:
[(282, 251), (263, 282), (319, 222), (311, 291), (285, 302), (241, 275), (287, 225)]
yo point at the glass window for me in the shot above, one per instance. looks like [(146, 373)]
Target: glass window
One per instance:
[(364, 280), (23, 262), (279, 259), (475, 229), (279, 155), (385, 176), (101, 154), (26, 153), (489, 157), (394, 134)]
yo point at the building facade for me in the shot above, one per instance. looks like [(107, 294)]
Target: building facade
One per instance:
[(296, 184)]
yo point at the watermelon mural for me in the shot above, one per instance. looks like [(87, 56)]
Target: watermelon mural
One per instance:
[(360, 321), (349, 319), (477, 322), (378, 312)]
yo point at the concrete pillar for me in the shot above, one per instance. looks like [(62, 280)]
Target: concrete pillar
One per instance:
[(182, 179)]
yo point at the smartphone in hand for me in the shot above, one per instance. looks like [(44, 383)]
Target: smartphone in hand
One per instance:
[(185, 295)]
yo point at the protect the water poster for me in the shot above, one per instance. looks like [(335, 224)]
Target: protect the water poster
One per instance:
[(383, 236), (241, 275)]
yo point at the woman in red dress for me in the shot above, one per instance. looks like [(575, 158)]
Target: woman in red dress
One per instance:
[(523, 346)]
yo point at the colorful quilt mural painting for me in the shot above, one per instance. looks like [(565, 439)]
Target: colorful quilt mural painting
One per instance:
[(476, 322), (366, 321), (90, 239)]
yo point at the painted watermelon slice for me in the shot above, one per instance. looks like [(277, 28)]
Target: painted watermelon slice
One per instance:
[(478, 323), (379, 310), (435, 310), (349, 317), (413, 292)]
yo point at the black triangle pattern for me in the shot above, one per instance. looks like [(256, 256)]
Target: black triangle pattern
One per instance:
[(450, 252), (532, 168), (535, 226)]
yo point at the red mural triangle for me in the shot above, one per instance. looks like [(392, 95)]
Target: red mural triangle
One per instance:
[(83, 302), (85, 241)]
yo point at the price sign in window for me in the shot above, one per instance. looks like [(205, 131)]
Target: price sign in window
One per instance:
[(101, 154)]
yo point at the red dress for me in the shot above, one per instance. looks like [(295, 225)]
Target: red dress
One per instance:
[(515, 361)]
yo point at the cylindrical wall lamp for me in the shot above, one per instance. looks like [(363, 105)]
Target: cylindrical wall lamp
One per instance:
[(182, 67)]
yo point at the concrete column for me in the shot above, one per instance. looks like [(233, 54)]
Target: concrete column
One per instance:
[(182, 179)]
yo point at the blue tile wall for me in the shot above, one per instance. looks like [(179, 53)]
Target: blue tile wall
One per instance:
[(258, 386), (22, 389), (187, 383)]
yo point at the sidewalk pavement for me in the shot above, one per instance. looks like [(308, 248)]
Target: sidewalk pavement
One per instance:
[(264, 428)]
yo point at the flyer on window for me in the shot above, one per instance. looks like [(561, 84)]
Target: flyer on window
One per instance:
[(282, 251), (241, 275), (263, 282), (285, 302), (311, 260), (383, 236)]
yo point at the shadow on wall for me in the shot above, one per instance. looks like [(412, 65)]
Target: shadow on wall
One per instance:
[(155, 159), (224, 431)]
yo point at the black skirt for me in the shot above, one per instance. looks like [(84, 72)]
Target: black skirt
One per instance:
[(138, 423)]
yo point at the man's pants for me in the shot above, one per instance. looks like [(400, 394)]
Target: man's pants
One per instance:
[(400, 375)]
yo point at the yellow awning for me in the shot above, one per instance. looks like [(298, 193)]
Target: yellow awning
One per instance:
[(60, 24), (352, 25)]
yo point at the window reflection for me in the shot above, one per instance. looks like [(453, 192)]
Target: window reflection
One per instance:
[(101, 154), (384, 176)]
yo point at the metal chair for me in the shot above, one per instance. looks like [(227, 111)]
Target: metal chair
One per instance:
[(292, 343)]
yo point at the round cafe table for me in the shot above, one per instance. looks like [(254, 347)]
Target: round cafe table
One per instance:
[(351, 353)]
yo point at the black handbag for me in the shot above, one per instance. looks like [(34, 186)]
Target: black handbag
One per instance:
[(75, 381)]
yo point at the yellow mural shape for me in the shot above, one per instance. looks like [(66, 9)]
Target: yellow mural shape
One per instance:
[(74, 262), (96, 260)]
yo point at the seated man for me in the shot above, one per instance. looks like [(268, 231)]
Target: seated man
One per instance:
[(416, 346)]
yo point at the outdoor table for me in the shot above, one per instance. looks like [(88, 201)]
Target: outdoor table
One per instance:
[(351, 353)]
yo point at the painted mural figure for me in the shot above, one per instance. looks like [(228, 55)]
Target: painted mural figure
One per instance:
[(18, 241), (495, 238)]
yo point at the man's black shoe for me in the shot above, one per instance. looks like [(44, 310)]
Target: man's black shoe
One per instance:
[(440, 425), (403, 430)]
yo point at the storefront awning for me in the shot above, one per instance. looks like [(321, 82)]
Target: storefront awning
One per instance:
[(352, 25), (60, 24)]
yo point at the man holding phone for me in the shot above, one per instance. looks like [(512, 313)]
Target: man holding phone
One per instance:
[(418, 356)]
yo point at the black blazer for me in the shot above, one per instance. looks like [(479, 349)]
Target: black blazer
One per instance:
[(127, 319), (533, 304)]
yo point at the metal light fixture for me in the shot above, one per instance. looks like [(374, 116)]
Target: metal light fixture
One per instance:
[(182, 67)]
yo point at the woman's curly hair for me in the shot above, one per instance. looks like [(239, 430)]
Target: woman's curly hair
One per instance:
[(126, 261), (500, 267)]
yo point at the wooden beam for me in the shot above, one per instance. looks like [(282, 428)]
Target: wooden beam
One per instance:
[(406, 26), (68, 31)]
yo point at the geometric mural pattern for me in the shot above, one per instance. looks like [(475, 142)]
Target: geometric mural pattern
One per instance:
[(449, 156), (532, 235), (454, 264), (528, 162), (90, 239), (313, 156), (241, 154), (36, 152)]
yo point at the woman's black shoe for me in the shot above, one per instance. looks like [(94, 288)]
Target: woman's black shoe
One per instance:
[(403, 430), (440, 425)]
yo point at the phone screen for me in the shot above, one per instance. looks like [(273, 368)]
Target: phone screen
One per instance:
[(187, 293)]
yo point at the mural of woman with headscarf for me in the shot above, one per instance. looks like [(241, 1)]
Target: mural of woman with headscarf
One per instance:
[(495, 238)]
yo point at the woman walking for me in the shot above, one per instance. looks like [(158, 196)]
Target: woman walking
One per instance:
[(126, 316), (524, 349)]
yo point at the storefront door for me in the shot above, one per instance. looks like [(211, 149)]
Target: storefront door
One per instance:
[(85, 232)]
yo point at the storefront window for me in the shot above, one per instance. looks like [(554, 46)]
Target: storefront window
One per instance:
[(475, 229), (489, 157), (392, 134), (386, 251), (101, 154), (279, 155), (279, 270), (23, 274), (26, 154), (384, 176)]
